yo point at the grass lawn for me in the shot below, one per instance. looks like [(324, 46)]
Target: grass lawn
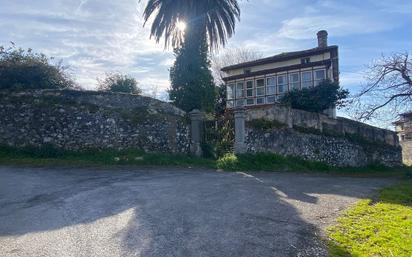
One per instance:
[(47, 156), (381, 227)]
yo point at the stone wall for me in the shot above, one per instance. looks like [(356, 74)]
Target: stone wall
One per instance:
[(78, 120), (315, 137), (321, 122), (407, 152), (336, 151)]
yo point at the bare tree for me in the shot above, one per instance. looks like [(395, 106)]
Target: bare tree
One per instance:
[(389, 88), (231, 56)]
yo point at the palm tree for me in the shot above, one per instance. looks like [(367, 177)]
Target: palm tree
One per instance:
[(214, 19)]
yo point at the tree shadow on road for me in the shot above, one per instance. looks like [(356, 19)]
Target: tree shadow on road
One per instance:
[(172, 212)]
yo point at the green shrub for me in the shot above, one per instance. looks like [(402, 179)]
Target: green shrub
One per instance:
[(208, 151), (316, 99), (119, 83), (265, 124), (267, 162), (23, 69)]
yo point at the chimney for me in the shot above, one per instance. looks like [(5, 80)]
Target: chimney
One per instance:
[(322, 38)]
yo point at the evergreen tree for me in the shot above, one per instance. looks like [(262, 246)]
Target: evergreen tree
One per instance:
[(191, 77), (209, 24)]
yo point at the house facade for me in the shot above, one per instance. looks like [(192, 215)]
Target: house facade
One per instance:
[(404, 129), (265, 81)]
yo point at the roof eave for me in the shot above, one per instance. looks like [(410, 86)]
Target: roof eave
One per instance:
[(280, 57)]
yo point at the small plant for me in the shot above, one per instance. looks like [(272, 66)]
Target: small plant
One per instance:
[(119, 83)]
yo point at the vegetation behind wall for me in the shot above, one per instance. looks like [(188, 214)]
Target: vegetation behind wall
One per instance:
[(24, 69)]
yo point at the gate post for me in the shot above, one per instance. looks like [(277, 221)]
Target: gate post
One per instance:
[(240, 116), (196, 131)]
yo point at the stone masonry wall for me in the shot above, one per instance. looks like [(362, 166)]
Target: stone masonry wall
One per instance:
[(407, 151), (335, 151), (78, 120), (321, 122), (316, 137)]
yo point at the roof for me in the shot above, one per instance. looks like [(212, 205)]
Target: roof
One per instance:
[(281, 57), (405, 114), (403, 117), (280, 69)]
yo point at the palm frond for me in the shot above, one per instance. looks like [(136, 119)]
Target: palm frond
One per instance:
[(217, 19)]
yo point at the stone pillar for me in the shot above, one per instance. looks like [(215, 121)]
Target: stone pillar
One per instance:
[(240, 116), (196, 131)]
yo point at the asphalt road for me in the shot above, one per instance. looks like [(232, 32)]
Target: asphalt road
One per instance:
[(169, 212)]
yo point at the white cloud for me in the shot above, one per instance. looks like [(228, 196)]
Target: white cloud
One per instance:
[(93, 37), (351, 80), (306, 27)]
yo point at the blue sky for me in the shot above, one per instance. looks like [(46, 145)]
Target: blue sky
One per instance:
[(97, 36)]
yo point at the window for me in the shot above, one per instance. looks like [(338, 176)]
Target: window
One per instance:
[(282, 84), (240, 102), (320, 75), (260, 100), (307, 79), (305, 60), (230, 90), (294, 81), (270, 99), (247, 71), (271, 86), (240, 91), (260, 87), (249, 88), (250, 101)]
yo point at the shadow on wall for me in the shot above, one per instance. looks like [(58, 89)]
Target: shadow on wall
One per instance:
[(168, 213)]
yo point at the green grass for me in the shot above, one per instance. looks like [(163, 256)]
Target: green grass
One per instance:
[(374, 228), (49, 155), (52, 156), (273, 162), (267, 162)]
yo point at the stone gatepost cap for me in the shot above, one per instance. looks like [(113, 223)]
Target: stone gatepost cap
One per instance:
[(194, 111), (196, 114)]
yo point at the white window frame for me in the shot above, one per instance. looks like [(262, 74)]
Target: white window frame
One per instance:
[(306, 81), (316, 80), (242, 92), (250, 88), (294, 85), (272, 86), (230, 94), (284, 84), (252, 100), (230, 103), (260, 98), (259, 87), (269, 97), (240, 102)]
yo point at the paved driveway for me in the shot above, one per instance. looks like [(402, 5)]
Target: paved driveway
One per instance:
[(169, 212)]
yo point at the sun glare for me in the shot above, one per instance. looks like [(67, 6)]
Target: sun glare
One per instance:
[(181, 26)]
